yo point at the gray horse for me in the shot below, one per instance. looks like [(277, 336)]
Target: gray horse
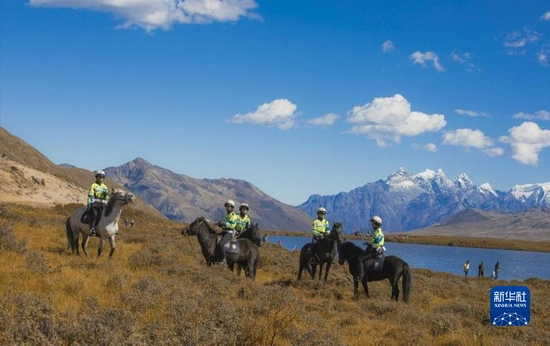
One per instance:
[(107, 227)]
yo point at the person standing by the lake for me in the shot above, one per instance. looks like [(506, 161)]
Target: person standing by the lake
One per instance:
[(481, 270), (497, 269), (466, 267)]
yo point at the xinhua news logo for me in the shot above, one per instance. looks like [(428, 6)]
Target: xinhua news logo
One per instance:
[(510, 306)]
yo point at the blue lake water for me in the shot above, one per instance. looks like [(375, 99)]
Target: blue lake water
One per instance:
[(518, 265)]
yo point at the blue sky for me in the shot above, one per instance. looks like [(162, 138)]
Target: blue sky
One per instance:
[(296, 97)]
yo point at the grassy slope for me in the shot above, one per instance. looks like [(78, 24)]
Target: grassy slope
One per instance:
[(157, 290)]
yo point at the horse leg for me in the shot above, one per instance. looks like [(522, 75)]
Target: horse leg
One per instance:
[(99, 247), (85, 238), (113, 246), (365, 288), (355, 288), (300, 270), (321, 270), (327, 270)]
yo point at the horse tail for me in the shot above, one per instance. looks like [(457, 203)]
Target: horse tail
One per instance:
[(406, 282), (71, 242)]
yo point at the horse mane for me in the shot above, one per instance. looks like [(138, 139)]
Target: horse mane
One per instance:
[(349, 250), (110, 206), (208, 226)]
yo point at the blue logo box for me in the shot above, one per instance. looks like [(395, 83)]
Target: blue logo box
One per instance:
[(510, 306)]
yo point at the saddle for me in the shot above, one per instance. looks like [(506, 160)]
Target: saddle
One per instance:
[(375, 264), (84, 218), (232, 246)]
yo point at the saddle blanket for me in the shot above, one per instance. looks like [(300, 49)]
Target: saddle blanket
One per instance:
[(375, 264), (233, 247)]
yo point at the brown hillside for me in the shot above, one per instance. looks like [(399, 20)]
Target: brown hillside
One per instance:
[(51, 184)]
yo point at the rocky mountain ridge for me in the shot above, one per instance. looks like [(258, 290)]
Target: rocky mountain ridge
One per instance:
[(408, 201), (183, 198)]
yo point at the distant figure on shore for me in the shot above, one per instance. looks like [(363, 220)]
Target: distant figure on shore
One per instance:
[(466, 267), (493, 275), (481, 270), (497, 269), (132, 223), (77, 198), (280, 243), (126, 222)]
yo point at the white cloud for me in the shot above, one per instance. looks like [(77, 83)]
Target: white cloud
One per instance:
[(546, 16), (526, 141), (493, 152), (423, 58), (541, 115), (280, 112), (517, 41), (155, 14), (465, 60), (389, 118), (471, 113), (467, 138), (542, 55), (388, 46), (431, 147), (325, 120)]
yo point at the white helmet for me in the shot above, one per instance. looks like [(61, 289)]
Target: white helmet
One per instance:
[(377, 219), (321, 210), (244, 205), (229, 202), (99, 172)]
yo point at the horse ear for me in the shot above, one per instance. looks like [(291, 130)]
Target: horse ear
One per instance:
[(113, 190)]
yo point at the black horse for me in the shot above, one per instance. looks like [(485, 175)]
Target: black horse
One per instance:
[(248, 256), (392, 269), (252, 233), (325, 253)]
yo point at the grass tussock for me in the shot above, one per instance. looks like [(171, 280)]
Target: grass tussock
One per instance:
[(158, 290)]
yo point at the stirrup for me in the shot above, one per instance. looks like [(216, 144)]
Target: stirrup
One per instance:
[(93, 232)]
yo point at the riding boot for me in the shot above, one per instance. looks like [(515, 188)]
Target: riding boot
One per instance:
[(91, 221)]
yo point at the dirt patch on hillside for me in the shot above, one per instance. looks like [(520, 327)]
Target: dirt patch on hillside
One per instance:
[(24, 185)]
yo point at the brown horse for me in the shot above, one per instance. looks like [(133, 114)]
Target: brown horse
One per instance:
[(324, 254), (392, 269), (247, 257)]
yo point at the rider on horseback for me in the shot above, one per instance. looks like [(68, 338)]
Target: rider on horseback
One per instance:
[(374, 247), (243, 221), (98, 195), (228, 225), (319, 229)]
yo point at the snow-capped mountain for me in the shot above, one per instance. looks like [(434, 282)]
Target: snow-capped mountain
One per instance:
[(408, 201)]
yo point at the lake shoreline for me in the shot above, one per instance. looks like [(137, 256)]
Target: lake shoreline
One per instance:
[(473, 242)]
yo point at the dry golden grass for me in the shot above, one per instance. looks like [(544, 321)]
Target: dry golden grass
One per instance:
[(158, 291)]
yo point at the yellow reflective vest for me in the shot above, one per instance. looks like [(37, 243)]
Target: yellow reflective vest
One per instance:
[(377, 238), (98, 191), (229, 221), (242, 223), (320, 227)]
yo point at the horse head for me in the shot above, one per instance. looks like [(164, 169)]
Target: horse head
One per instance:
[(195, 227), (122, 196), (348, 251), (336, 231), (253, 233)]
